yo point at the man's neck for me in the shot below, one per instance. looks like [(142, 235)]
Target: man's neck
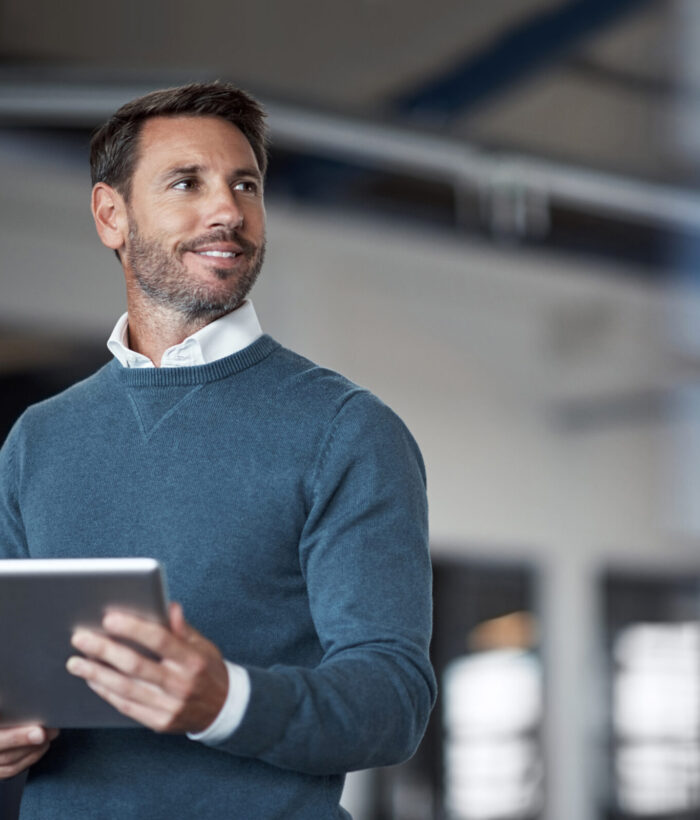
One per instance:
[(154, 328)]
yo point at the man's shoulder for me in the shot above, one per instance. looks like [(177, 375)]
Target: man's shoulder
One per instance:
[(302, 371), (68, 402), (321, 397), (320, 387)]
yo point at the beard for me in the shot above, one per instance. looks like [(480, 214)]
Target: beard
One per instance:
[(166, 280)]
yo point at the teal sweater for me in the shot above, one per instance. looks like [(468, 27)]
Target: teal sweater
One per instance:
[(288, 507)]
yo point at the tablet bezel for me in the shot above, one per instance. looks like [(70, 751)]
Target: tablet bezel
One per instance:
[(42, 601)]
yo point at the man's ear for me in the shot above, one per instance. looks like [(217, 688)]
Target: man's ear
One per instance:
[(109, 213)]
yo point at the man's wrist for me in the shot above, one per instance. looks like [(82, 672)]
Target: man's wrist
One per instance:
[(233, 710)]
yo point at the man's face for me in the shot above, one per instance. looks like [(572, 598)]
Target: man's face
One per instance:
[(196, 217)]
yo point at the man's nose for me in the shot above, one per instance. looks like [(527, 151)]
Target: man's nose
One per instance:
[(223, 208)]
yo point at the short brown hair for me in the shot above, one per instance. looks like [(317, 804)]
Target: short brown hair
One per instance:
[(114, 146)]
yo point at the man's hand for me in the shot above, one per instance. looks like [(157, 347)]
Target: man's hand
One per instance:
[(21, 746), (182, 692)]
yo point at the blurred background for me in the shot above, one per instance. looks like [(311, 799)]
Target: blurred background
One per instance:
[(487, 212)]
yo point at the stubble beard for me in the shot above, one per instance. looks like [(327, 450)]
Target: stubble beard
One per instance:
[(166, 280)]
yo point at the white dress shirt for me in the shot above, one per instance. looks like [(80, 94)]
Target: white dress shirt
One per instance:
[(220, 338)]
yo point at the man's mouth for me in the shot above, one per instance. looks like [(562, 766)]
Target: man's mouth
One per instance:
[(219, 254)]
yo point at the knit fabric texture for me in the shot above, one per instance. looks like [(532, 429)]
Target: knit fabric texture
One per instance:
[(288, 508)]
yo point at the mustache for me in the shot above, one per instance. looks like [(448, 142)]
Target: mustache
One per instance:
[(222, 235)]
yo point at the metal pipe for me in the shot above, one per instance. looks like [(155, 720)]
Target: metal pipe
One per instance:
[(387, 148)]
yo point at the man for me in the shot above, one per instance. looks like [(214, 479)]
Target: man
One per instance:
[(287, 505)]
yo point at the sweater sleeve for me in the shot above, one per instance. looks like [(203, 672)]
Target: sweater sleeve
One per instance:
[(364, 555), (13, 542)]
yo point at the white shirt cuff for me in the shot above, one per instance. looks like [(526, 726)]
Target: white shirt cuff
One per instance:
[(231, 714)]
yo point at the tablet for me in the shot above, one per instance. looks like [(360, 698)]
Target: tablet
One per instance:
[(41, 602)]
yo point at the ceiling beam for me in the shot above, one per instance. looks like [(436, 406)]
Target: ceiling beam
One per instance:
[(519, 53)]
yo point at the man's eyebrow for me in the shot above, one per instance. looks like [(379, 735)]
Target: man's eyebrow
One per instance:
[(182, 170), (193, 170), (248, 172)]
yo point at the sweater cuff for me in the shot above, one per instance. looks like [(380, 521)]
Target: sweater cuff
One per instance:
[(231, 714)]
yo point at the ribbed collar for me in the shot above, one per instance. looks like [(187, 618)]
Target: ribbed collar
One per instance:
[(190, 376)]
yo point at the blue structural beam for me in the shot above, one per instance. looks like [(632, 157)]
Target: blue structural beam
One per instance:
[(513, 57)]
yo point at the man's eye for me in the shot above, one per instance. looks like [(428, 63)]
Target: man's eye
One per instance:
[(185, 184), (248, 186)]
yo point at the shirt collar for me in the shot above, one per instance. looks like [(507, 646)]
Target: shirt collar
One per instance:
[(220, 338)]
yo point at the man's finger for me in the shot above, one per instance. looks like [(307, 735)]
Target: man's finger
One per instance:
[(148, 634), (121, 657), (18, 736), (185, 630), (113, 681), (12, 756), (10, 770), (178, 624), (22, 746), (156, 719)]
